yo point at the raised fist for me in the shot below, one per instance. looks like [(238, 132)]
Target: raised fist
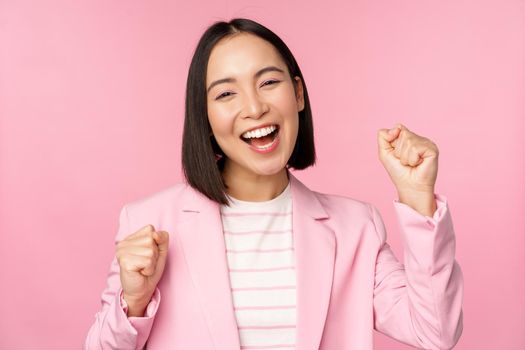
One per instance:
[(142, 257)]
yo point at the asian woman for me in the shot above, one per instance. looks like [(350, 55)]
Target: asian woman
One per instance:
[(243, 255)]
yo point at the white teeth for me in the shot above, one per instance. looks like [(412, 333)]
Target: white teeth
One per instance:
[(259, 132)]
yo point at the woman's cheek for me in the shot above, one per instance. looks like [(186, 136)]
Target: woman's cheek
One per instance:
[(287, 102), (220, 120)]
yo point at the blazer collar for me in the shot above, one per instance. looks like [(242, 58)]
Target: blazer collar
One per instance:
[(197, 202), (202, 241)]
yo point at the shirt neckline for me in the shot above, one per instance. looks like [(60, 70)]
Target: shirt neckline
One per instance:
[(281, 198)]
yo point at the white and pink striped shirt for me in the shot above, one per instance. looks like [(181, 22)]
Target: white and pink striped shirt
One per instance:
[(259, 247)]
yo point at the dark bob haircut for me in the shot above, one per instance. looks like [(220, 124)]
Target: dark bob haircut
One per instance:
[(202, 158)]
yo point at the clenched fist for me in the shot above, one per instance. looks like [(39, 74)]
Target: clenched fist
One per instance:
[(141, 257), (411, 161)]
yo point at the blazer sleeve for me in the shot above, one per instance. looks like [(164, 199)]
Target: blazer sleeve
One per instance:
[(112, 328), (419, 302)]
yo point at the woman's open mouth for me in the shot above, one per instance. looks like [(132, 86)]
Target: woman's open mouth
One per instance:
[(263, 140)]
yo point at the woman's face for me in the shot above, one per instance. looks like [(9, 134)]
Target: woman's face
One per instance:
[(249, 88)]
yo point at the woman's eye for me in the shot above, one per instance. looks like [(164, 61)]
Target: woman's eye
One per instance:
[(223, 95), (270, 81)]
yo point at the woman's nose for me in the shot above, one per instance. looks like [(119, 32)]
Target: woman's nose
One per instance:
[(254, 107)]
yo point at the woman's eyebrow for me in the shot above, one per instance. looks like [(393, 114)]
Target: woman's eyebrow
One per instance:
[(256, 75)]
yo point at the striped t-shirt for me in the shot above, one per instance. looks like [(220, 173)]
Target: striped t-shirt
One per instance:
[(259, 247)]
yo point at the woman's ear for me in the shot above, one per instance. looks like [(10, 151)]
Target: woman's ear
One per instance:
[(299, 93)]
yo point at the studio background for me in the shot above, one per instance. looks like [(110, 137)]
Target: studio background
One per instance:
[(91, 115)]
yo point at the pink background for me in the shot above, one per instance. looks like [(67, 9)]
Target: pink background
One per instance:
[(91, 115)]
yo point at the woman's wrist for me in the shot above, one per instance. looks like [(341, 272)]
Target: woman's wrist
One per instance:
[(136, 307), (422, 202)]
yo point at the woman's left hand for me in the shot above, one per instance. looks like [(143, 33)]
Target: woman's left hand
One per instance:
[(410, 160)]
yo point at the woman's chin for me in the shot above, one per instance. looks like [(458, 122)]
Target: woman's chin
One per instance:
[(268, 169), (259, 167)]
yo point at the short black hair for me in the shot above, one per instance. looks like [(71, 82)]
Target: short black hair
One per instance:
[(202, 158)]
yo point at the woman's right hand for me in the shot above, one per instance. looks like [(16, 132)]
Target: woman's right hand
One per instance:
[(142, 257)]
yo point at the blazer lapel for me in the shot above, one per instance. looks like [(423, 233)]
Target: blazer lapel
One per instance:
[(314, 246), (201, 237)]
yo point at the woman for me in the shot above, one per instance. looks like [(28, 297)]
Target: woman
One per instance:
[(245, 256)]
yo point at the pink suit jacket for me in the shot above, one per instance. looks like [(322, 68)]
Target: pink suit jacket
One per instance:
[(349, 282)]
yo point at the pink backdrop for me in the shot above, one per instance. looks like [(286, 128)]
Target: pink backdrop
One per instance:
[(91, 113)]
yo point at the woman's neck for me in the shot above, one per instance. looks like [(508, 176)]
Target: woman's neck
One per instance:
[(253, 187)]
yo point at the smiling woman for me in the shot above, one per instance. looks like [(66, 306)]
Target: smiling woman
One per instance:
[(248, 257)]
